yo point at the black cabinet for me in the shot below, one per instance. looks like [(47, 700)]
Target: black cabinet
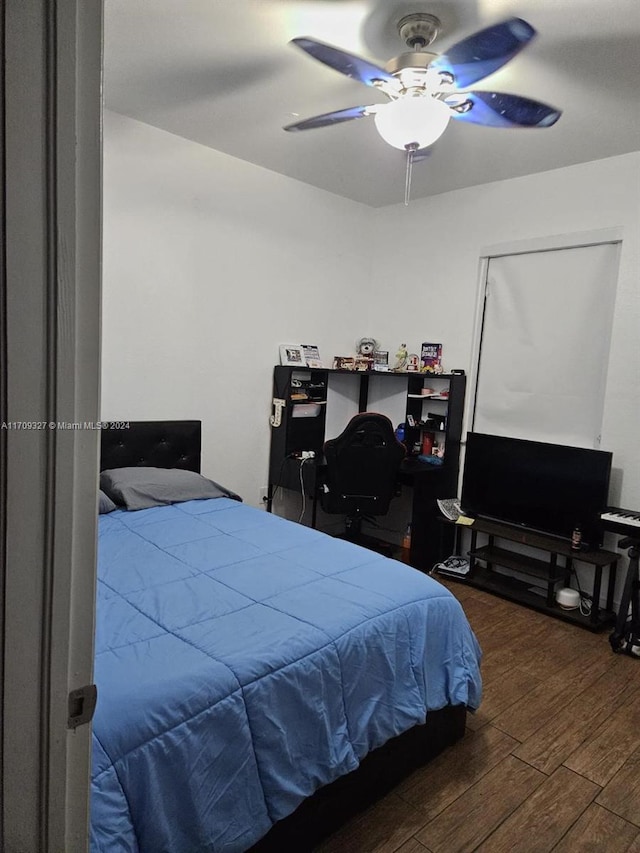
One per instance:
[(298, 428)]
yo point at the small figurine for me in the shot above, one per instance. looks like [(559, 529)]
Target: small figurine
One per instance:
[(401, 357), (365, 349)]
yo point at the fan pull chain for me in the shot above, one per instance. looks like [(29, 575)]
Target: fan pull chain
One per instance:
[(411, 150)]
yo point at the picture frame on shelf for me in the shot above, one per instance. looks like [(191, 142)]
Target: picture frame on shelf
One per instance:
[(312, 355), (343, 362), (413, 363), (292, 355)]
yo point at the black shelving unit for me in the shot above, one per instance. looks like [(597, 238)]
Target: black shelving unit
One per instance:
[(295, 431), (427, 537), (545, 574), (300, 387)]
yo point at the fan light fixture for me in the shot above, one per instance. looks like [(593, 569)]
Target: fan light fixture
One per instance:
[(412, 122)]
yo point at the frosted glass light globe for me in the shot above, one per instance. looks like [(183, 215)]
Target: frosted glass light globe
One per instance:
[(412, 121)]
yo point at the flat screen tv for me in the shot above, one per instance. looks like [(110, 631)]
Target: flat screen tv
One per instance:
[(550, 488)]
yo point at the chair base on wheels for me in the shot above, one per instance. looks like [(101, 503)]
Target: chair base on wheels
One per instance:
[(353, 533)]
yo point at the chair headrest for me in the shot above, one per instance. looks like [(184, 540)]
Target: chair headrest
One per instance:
[(369, 429)]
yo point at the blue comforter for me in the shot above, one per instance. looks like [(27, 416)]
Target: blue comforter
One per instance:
[(242, 662)]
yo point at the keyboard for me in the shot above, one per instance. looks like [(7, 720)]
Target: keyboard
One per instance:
[(617, 520), (450, 508)]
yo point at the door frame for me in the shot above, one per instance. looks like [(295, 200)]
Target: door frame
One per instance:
[(50, 212)]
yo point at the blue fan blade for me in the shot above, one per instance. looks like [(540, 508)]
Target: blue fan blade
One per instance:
[(329, 118), (346, 63), (484, 52), (497, 109)]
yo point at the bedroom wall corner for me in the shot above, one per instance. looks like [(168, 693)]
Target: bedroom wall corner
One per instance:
[(598, 196), (209, 263), (588, 197)]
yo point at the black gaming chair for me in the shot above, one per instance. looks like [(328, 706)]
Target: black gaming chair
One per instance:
[(361, 471)]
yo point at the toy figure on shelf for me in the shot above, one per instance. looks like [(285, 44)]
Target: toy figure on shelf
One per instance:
[(366, 346), (401, 357), (364, 357)]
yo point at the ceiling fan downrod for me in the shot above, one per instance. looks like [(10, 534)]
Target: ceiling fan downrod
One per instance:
[(411, 152), (417, 30)]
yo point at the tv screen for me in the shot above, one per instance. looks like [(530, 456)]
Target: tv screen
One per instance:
[(547, 487)]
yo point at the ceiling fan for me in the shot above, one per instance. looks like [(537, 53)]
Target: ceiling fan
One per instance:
[(425, 90)]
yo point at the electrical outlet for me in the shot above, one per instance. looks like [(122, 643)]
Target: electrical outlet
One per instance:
[(307, 454)]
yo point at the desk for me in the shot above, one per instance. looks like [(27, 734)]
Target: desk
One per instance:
[(291, 434)]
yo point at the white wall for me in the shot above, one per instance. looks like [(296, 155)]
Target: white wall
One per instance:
[(429, 267), (209, 264)]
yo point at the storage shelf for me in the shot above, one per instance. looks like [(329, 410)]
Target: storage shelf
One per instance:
[(557, 568), (518, 562), (432, 377), (518, 591), (424, 482)]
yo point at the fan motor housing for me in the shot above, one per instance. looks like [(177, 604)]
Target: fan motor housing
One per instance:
[(413, 59)]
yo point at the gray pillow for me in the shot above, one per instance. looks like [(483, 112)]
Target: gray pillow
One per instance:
[(142, 487), (105, 504)]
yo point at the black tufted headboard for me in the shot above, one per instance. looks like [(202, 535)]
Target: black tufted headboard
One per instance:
[(159, 444)]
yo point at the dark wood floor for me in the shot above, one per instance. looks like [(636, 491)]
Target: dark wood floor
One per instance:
[(551, 761)]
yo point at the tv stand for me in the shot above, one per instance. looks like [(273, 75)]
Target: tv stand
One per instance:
[(546, 573)]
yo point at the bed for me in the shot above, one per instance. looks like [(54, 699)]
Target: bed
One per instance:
[(258, 681)]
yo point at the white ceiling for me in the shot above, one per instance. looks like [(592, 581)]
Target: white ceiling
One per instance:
[(221, 73)]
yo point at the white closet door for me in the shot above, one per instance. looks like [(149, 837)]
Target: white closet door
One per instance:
[(545, 344)]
